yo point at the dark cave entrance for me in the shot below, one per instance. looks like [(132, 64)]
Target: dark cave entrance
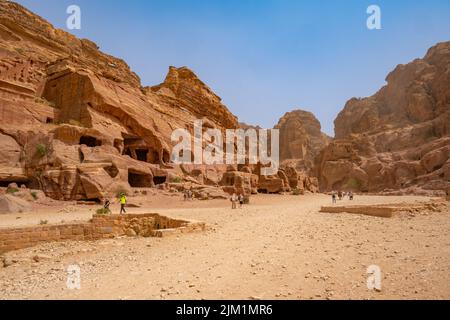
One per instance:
[(5, 183), (141, 154), (90, 141), (159, 180), (140, 180), (136, 148)]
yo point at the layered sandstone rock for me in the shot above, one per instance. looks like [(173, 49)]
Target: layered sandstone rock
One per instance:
[(301, 138), (77, 123), (398, 139)]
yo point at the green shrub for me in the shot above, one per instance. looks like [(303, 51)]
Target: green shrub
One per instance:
[(34, 195), (41, 149), (43, 222), (12, 190), (103, 211), (296, 192), (176, 180)]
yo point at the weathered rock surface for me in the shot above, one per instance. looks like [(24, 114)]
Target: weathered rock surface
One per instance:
[(301, 137), (77, 123), (398, 139), (12, 204)]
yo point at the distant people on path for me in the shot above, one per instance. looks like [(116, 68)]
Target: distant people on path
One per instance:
[(340, 195), (241, 200), (233, 200), (106, 206), (123, 202), (188, 195), (333, 197), (350, 195)]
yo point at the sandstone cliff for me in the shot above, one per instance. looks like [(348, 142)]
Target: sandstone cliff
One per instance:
[(398, 140), (301, 138), (77, 123)]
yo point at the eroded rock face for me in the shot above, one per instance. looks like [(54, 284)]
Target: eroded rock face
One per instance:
[(301, 137), (77, 123), (398, 139)]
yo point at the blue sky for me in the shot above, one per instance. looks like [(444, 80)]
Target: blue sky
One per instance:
[(263, 57)]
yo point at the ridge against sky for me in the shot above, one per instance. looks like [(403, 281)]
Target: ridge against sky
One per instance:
[(266, 57)]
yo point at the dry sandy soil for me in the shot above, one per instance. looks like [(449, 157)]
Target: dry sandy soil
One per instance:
[(278, 247)]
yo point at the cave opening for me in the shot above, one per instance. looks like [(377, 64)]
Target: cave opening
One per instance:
[(159, 180), (6, 183), (140, 180), (141, 154), (90, 141), (138, 149), (91, 200)]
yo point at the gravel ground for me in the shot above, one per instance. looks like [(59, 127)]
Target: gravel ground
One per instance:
[(279, 247)]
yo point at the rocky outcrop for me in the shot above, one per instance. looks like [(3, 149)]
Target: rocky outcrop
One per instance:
[(301, 138), (398, 139), (12, 204), (77, 123)]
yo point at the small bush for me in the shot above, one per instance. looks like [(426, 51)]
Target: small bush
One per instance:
[(34, 195), (296, 192), (247, 199), (103, 211), (41, 149), (12, 190), (176, 180), (43, 222)]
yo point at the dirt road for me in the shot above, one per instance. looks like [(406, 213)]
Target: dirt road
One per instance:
[(279, 247)]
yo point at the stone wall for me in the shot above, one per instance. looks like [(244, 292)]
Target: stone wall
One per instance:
[(100, 227)]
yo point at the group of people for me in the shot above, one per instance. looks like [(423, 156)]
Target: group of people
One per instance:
[(122, 200), (188, 195), (235, 199), (341, 195)]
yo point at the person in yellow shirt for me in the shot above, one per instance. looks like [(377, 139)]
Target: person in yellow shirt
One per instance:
[(123, 202)]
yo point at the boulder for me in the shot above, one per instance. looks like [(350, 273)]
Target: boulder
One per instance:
[(12, 204)]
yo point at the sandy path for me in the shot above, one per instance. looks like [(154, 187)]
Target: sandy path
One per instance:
[(278, 247)]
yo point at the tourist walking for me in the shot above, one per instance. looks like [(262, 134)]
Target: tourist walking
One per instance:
[(333, 197), (241, 200), (123, 202), (233, 201), (106, 206), (350, 195)]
